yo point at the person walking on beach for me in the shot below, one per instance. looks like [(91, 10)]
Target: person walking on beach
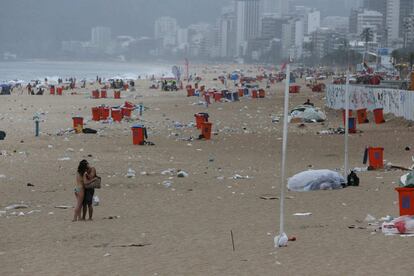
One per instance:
[(29, 89), (88, 177)]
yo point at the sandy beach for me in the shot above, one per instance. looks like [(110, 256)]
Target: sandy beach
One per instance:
[(143, 227)]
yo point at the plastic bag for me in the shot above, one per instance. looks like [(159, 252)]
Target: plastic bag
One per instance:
[(407, 180), (95, 201), (313, 180), (400, 225)]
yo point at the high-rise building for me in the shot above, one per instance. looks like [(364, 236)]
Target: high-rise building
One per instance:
[(406, 9), (247, 23), (375, 5), (409, 30), (227, 31), (276, 7), (393, 20), (165, 26), (272, 27), (369, 19), (293, 37), (101, 36), (312, 21)]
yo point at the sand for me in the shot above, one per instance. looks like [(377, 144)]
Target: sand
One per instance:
[(185, 229)]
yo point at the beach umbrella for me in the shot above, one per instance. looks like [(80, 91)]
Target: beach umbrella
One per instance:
[(282, 239)]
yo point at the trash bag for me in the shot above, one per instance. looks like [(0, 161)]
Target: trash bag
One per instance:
[(313, 180), (89, 131), (407, 180), (2, 135), (353, 179)]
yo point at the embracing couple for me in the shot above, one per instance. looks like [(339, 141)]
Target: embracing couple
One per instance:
[(86, 179)]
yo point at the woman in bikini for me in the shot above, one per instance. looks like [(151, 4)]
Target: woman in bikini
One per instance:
[(80, 189)]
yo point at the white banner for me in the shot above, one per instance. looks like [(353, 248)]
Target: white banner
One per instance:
[(398, 102)]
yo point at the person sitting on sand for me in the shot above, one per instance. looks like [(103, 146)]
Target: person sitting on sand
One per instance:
[(88, 177), (308, 103)]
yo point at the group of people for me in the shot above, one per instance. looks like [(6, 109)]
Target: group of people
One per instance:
[(84, 196)]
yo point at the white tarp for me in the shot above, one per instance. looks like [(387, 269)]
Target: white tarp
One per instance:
[(313, 180)]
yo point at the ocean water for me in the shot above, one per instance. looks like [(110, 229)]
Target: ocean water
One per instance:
[(39, 70)]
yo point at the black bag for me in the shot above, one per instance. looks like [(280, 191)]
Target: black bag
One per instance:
[(353, 179), (89, 131), (2, 135)]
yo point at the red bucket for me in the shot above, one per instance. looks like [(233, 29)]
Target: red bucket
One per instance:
[(255, 95), (217, 96), (116, 115), (126, 111), (138, 135), (117, 94), (105, 112), (200, 119), (52, 90), (262, 93), (206, 130), (376, 158), (78, 124), (95, 94), (96, 113), (103, 94), (379, 116), (60, 91), (406, 200)]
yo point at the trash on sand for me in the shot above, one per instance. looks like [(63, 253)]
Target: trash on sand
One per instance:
[(302, 214), (112, 217), (407, 180), (238, 176), (64, 159), (369, 218), (315, 180), (182, 174), (400, 225), (130, 173), (281, 240), (269, 197), (64, 207), (16, 206), (167, 183), (168, 171), (331, 131)]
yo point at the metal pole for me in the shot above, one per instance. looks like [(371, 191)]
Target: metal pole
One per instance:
[(37, 128), (284, 146), (346, 125)]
